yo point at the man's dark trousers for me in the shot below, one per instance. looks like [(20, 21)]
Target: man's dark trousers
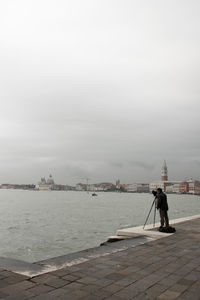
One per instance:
[(164, 220)]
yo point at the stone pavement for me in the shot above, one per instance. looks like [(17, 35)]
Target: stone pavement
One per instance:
[(168, 268)]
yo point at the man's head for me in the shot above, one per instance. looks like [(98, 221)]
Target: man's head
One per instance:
[(159, 190)]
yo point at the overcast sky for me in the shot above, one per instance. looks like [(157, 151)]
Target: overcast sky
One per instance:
[(104, 89)]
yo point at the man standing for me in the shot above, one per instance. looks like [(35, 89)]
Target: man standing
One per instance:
[(162, 205)]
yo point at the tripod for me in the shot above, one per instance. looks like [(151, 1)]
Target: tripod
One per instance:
[(154, 217)]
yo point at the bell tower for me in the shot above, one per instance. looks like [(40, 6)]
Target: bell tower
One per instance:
[(164, 172)]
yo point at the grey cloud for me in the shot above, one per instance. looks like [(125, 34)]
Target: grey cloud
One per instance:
[(116, 164), (102, 89), (143, 165)]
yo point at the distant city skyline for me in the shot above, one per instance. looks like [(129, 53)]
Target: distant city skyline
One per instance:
[(85, 185), (88, 181), (99, 89)]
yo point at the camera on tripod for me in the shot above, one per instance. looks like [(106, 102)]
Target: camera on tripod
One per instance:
[(153, 205), (154, 193)]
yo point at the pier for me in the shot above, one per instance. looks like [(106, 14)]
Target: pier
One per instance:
[(143, 267)]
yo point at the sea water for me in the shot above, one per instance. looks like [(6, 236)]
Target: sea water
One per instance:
[(36, 225)]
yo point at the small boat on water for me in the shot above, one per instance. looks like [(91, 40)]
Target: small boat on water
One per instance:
[(94, 194)]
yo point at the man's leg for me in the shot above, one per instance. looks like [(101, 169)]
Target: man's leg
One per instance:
[(166, 218), (161, 217)]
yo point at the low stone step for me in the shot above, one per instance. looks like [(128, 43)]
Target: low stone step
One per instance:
[(116, 238)]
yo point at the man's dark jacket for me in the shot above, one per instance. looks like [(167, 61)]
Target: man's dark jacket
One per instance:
[(162, 201)]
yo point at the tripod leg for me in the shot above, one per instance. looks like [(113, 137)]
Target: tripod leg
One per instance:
[(154, 218), (149, 213)]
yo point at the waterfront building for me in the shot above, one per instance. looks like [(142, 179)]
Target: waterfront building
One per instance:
[(46, 184), (176, 188), (118, 184), (59, 187), (50, 180), (194, 187), (17, 186), (169, 188), (164, 184), (142, 187), (132, 187), (106, 186), (164, 172), (91, 187), (156, 185), (137, 188), (120, 187), (184, 187), (80, 187)]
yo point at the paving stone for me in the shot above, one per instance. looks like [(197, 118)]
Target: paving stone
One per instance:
[(6, 273), (188, 296), (193, 276), (70, 277), (128, 280), (170, 280), (56, 294), (13, 279), (116, 276), (168, 268), (185, 282), (104, 282), (113, 297), (2, 295), (128, 293), (61, 272), (43, 278), (91, 288), (102, 294), (78, 294), (91, 297), (74, 286), (155, 291), (20, 296), (143, 284), (2, 277), (87, 279), (169, 295), (113, 288), (15, 288), (133, 269), (78, 273), (3, 284), (178, 287), (102, 273), (40, 289), (56, 283)]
